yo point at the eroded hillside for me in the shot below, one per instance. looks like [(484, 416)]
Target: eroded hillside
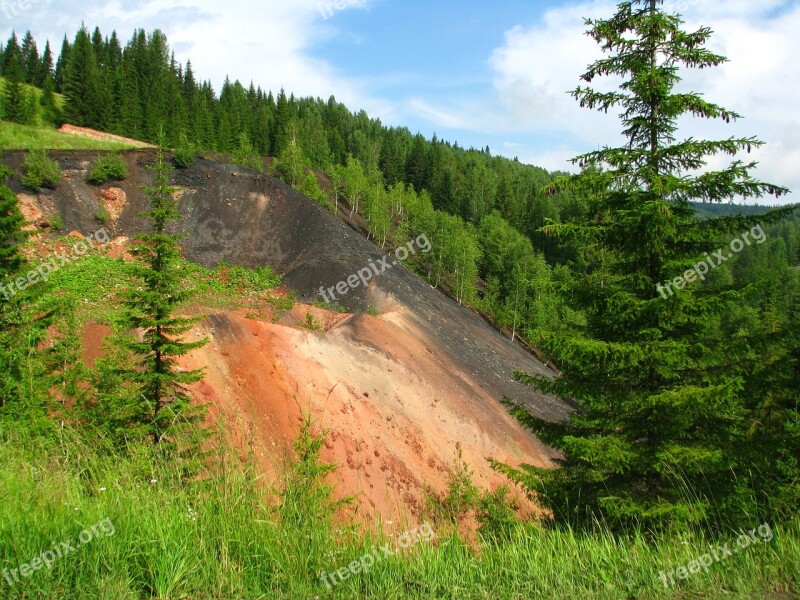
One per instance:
[(400, 392)]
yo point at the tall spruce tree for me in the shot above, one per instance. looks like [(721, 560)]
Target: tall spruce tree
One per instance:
[(60, 73), (660, 409), (18, 104), (82, 84), (163, 411)]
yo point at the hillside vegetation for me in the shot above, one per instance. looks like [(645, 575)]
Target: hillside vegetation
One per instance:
[(674, 338)]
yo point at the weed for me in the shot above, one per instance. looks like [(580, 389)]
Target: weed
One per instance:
[(311, 322)]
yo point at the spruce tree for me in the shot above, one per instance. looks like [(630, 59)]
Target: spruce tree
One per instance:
[(82, 83), (61, 65), (163, 411), (660, 410), (31, 60), (12, 54), (51, 114), (45, 68), (18, 104)]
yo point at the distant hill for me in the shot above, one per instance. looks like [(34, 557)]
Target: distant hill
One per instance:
[(709, 210)]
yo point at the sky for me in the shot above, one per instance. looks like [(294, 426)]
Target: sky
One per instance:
[(475, 72)]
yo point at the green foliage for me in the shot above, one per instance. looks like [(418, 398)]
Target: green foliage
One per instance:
[(168, 536), (291, 164), (306, 499), (659, 437), (11, 234), (497, 515), (26, 137), (39, 171), (311, 323), (246, 155), (163, 410), (460, 498), (110, 167), (102, 215), (56, 223), (18, 105), (50, 111), (184, 155), (82, 85)]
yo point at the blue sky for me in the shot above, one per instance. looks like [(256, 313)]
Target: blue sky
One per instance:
[(476, 72)]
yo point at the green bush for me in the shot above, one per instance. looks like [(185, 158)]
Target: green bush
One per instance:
[(39, 171), (246, 155), (184, 155), (56, 223), (102, 215), (107, 168)]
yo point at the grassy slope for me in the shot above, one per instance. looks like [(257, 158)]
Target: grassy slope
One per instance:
[(223, 538), (27, 137), (39, 135)]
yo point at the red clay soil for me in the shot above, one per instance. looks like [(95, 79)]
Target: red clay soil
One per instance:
[(396, 411)]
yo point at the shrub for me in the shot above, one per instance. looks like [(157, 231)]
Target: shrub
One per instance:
[(184, 155), (56, 223), (107, 168), (102, 215), (39, 171), (497, 515), (460, 498), (246, 155)]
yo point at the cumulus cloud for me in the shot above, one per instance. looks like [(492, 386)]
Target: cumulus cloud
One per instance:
[(537, 65), (266, 41)]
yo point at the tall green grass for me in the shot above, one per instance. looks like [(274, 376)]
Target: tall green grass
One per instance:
[(224, 537)]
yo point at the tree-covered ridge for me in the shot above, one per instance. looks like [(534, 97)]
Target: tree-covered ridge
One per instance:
[(399, 183)]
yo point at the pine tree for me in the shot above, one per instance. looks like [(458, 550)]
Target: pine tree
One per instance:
[(51, 114), (17, 102), (61, 65), (45, 68), (31, 60), (82, 83), (12, 54), (660, 409), (164, 410)]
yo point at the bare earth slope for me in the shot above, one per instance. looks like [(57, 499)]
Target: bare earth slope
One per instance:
[(398, 392)]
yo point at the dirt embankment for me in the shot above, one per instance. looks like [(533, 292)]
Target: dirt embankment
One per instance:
[(399, 392)]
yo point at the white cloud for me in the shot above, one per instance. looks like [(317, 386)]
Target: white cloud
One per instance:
[(536, 66), (266, 41)]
